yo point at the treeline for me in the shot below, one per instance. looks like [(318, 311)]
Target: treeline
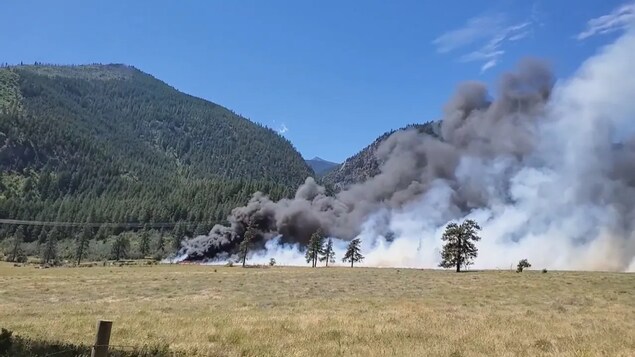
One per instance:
[(58, 245)]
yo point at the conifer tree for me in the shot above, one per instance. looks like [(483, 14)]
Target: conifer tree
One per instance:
[(120, 247), (353, 253), (42, 237), (17, 241), (244, 245), (315, 248), (459, 251), (161, 245), (179, 235), (83, 241), (144, 244), (50, 250), (524, 263), (328, 255)]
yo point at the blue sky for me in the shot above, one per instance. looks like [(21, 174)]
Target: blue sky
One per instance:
[(331, 75)]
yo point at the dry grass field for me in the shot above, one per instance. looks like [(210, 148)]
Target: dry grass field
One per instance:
[(282, 311)]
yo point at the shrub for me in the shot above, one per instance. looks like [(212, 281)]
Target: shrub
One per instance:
[(272, 262), (544, 271), (229, 263)]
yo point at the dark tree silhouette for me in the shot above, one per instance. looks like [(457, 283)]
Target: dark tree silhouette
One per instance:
[(353, 252), (459, 251)]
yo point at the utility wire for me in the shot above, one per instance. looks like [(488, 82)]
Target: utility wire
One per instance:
[(21, 222)]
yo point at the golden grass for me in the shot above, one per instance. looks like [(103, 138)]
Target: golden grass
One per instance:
[(282, 311)]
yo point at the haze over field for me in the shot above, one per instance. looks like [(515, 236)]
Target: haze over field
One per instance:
[(538, 167)]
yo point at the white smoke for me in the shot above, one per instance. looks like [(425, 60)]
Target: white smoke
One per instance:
[(556, 207)]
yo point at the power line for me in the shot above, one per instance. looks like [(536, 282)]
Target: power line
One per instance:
[(21, 222)]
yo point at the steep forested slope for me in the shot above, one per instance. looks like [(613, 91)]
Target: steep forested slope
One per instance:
[(364, 164), (114, 142)]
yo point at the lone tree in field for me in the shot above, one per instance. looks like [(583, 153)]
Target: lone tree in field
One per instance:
[(315, 248), (328, 255), (244, 245), (522, 265), (353, 254), (459, 250)]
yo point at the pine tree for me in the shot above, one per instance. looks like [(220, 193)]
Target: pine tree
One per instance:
[(41, 239), (524, 263), (328, 255), (353, 254), (244, 245), (17, 241), (179, 235), (83, 241), (120, 247), (161, 245), (144, 244), (459, 251), (50, 250), (315, 248)]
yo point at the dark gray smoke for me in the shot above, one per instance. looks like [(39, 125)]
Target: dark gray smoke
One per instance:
[(533, 165)]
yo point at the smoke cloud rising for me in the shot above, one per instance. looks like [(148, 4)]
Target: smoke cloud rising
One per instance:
[(546, 168)]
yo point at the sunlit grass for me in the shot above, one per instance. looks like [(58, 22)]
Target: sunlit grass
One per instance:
[(282, 311)]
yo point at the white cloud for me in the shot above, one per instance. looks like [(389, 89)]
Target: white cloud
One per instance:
[(618, 20), (283, 129), (476, 29), (488, 34)]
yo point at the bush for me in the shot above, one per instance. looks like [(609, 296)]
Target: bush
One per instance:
[(229, 263), (522, 265), (544, 271), (272, 262)]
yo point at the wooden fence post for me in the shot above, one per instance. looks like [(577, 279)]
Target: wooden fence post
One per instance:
[(100, 349)]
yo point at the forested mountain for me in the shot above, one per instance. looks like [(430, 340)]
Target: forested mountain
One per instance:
[(364, 164), (116, 144), (320, 166)]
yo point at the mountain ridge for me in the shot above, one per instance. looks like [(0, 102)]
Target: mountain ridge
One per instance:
[(117, 141)]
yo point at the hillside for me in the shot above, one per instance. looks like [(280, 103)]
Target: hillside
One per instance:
[(113, 142), (320, 166), (364, 164)]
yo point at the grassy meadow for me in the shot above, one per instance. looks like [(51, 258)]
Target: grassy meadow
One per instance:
[(284, 311)]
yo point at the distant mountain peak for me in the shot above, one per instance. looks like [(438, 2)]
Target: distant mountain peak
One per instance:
[(320, 166)]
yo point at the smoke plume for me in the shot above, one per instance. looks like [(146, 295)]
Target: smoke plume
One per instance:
[(546, 168)]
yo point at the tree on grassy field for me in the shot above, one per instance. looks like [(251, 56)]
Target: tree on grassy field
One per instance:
[(179, 235), (524, 263), (18, 238), (144, 244), (459, 251), (120, 247), (244, 245), (83, 241), (353, 253), (41, 239), (328, 255), (50, 250), (160, 246), (315, 248)]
